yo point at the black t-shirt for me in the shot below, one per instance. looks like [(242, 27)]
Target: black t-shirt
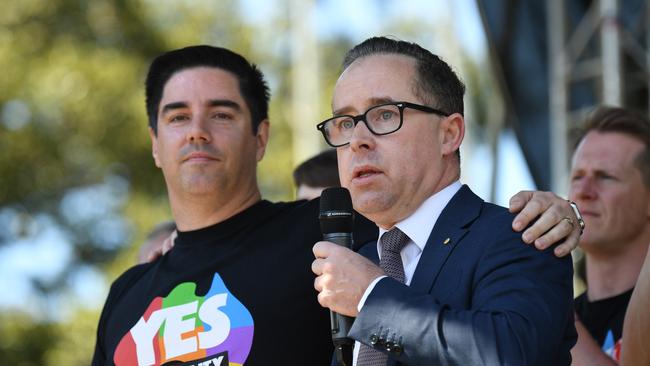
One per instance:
[(238, 292), (604, 320)]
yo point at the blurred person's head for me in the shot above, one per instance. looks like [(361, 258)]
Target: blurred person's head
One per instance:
[(610, 180), (315, 174), (406, 149), (155, 239)]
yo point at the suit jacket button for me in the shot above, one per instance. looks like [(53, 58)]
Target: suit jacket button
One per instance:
[(374, 339), (389, 346), (397, 347)]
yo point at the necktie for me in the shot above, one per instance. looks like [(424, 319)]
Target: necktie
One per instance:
[(391, 262)]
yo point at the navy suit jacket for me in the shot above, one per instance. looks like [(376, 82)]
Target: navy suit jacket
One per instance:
[(479, 296)]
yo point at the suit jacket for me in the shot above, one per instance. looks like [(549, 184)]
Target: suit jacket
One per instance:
[(479, 296)]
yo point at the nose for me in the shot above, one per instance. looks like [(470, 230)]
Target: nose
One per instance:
[(362, 138), (198, 130), (584, 189)]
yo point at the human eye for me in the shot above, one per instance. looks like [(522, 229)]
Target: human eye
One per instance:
[(576, 177), (606, 176), (343, 123), (387, 115), (178, 118), (383, 114), (222, 116)]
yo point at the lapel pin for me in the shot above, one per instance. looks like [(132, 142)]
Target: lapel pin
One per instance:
[(446, 241)]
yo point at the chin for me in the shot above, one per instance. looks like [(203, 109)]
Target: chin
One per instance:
[(201, 185), (369, 203)]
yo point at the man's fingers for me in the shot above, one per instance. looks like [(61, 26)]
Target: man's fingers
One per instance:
[(168, 244), (533, 209), (568, 245), (324, 249), (154, 254), (318, 284), (542, 225), (317, 266), (558, 232), (518, 201)]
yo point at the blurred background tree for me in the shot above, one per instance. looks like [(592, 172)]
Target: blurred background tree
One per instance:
[(78, 187)]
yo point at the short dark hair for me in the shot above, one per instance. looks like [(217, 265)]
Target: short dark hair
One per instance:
[(634, 124), (435, 82), (321, 170), (252, 85)]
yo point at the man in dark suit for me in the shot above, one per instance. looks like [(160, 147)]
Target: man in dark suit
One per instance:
[(454, 285)]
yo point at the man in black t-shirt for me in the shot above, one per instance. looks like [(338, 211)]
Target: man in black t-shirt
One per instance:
[(610, 180), (237, 288)]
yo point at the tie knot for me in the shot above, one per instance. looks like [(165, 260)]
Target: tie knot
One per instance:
[(394, 240)]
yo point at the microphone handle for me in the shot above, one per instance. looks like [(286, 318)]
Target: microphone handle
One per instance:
[(341, 324)]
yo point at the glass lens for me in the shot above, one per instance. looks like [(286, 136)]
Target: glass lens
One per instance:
[(383, 119), (339, 130)]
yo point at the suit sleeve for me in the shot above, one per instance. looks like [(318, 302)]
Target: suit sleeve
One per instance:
[(519, 305)]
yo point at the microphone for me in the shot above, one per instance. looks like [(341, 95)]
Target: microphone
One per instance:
[(336, 222)]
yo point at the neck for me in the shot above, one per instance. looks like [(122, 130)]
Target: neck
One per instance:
[(196, 211), (387, 219), (614, 273)]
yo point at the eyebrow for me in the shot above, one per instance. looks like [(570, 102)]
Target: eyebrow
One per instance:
[(373, 102), (211, 103)]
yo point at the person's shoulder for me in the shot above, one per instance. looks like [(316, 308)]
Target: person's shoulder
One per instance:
[(493, 212), (128, 278), (298, 209), (493, 218)]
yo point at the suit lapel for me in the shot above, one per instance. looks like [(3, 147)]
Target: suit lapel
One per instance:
[(449, 230)]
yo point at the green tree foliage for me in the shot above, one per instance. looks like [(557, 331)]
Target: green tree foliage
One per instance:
[(75, 146)]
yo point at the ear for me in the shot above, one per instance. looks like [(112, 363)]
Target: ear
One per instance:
[(452, 132), (262, 138), (154, 146)]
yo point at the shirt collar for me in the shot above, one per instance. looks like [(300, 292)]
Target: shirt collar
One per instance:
[(419, 225)]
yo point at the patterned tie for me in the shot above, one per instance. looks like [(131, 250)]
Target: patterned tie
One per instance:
[(391, 262)]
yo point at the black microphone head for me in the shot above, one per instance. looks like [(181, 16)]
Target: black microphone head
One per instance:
[(336, 215)]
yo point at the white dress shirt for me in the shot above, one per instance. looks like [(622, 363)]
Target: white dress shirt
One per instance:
[(417, 227)]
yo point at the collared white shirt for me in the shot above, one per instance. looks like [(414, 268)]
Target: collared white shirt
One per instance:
[(417, 227)]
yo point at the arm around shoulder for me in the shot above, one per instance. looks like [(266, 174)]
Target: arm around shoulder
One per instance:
[(636, 328)]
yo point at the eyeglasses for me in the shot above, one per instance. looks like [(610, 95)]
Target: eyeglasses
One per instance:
[(381, 119)]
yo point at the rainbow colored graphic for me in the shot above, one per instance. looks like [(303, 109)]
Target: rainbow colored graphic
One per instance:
[(186, 327)]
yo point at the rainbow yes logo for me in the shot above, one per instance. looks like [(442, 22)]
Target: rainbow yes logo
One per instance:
[(185, 327)]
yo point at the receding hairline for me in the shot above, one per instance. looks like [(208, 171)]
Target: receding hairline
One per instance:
[(414, 84)]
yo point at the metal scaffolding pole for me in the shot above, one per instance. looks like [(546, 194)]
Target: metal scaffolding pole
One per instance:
[(611, 53), (305, 88), (558, 94)]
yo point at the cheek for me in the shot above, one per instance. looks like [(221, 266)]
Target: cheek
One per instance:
[(345, 171)]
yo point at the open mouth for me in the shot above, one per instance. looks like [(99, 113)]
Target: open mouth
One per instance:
[(365, 172)]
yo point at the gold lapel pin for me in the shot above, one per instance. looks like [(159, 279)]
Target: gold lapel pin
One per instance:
[(446, 241)]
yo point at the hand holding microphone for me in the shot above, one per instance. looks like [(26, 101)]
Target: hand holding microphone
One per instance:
[(342, 275)]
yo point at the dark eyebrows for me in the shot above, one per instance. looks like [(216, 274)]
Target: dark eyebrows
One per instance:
[(211, 103), (172, 106), (225, 103)]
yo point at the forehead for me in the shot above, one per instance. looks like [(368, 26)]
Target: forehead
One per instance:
[(382, 76), (200, 84), (607, 150)]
